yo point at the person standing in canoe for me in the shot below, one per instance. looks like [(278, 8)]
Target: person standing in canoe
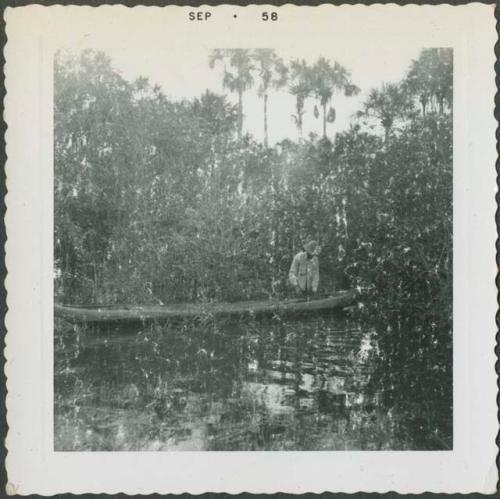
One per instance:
[(304, 271)]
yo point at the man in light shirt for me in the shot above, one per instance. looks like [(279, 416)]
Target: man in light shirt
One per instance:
[(304, 271)]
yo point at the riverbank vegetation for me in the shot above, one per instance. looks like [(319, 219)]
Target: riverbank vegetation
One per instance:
[(164, 200)]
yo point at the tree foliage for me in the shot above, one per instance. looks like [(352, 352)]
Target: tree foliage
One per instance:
[(300, 86), (328, 79), (238, 74), (430, 79), (387, 105)]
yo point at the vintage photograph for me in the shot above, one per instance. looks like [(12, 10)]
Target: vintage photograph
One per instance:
[(253, 250)]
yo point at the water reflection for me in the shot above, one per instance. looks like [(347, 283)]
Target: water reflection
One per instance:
[(210, 384)]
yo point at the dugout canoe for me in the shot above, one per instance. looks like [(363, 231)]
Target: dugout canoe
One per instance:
[(146, 313)]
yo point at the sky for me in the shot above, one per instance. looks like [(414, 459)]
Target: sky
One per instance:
[(194, 77), (173, 52)]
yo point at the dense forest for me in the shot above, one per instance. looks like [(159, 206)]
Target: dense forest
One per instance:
[(171, 201)]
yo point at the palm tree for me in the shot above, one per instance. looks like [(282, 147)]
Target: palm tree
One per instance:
[(238, 67), (326, 81), (273, 74), (300, 88), (386, 104)]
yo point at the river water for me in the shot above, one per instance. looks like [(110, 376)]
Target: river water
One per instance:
[(231, 384)]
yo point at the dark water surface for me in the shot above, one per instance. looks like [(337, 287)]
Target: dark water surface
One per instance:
[(222, 384)]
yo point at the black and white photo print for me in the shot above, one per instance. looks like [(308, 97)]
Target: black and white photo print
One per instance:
[(253, 234)]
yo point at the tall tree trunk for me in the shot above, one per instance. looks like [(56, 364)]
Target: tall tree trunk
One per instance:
[(299, 126), (299, 106), (423, 101), (266, 141), (275, 231), (387, 131), (240, 114), (324, 120)]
